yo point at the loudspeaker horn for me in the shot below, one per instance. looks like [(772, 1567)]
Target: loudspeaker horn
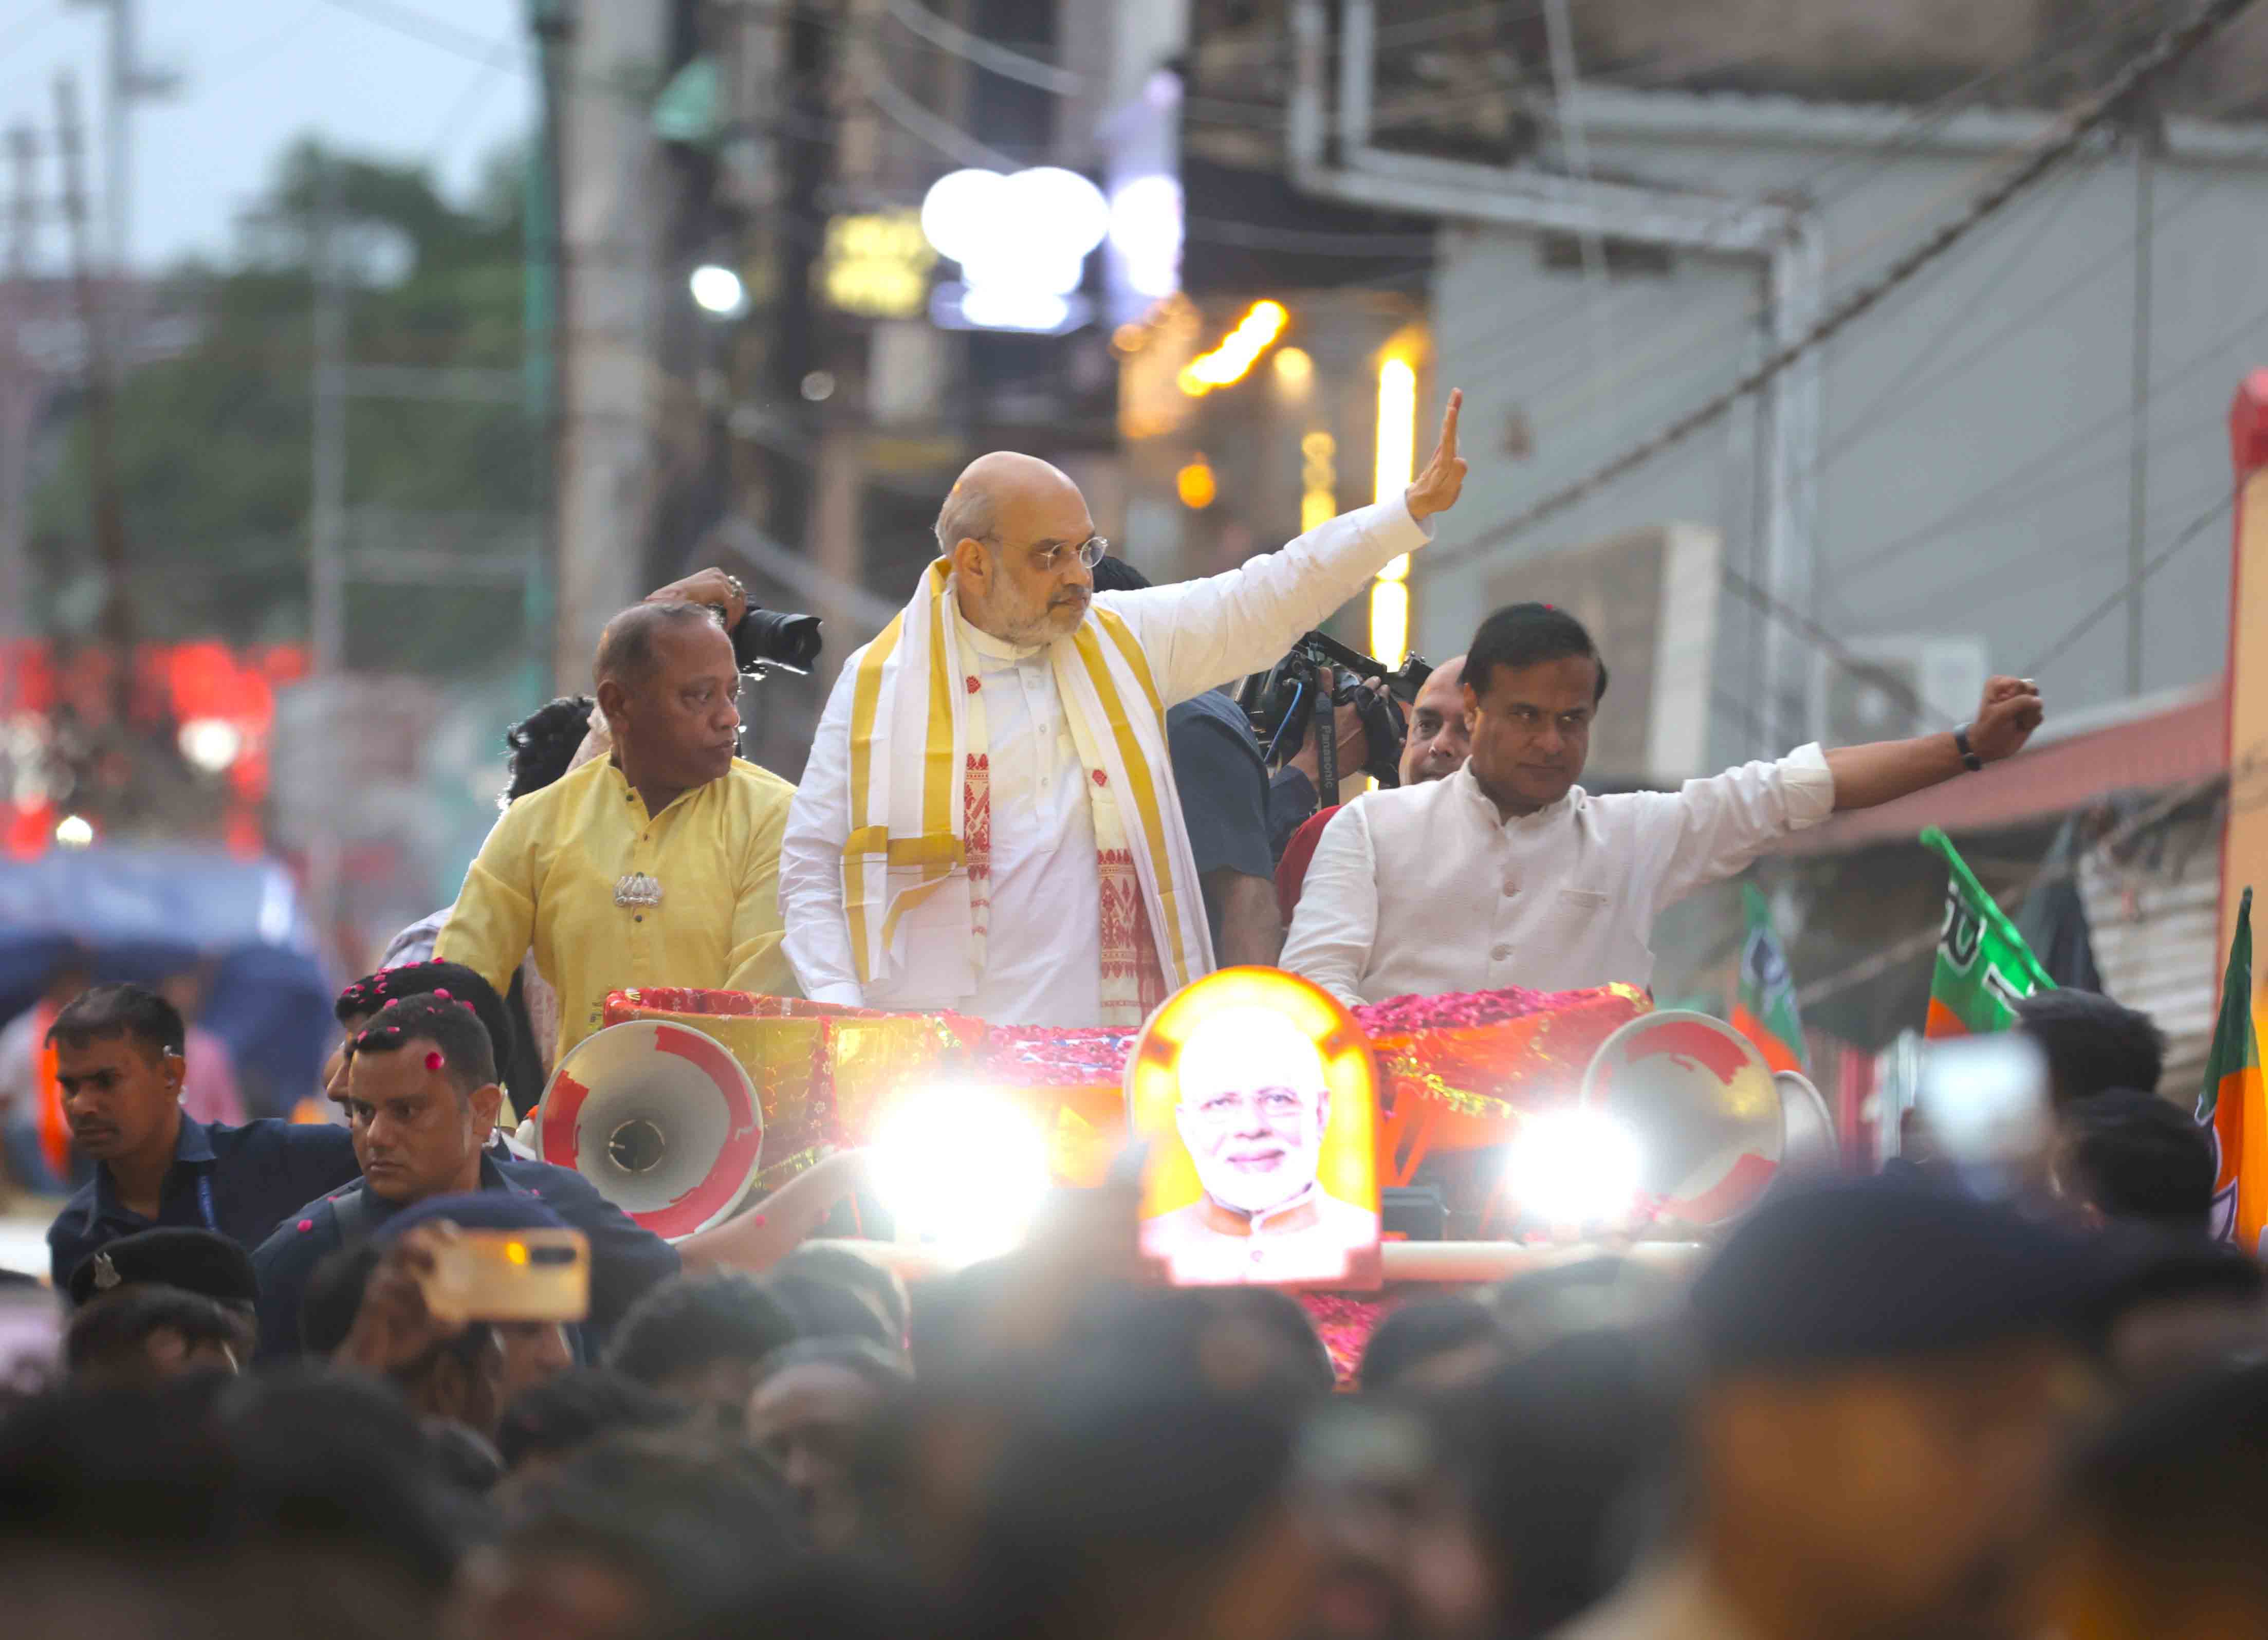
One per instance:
[(661, 1118), (1700, 1101), (1808, 1143)]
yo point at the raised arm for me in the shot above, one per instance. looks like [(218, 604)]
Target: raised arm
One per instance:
[(1866, 775), (1198, 634), (818, 940)]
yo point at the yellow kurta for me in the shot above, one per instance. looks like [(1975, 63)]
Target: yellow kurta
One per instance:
[(545, 880)]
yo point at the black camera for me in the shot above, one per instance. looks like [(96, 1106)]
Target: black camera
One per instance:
[(768, 640), (1281, 704)]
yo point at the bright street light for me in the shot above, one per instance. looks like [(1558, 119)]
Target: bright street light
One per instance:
[(718, 289), (210, 743)]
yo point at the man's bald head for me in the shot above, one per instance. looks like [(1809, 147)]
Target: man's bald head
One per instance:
[(1438, 741), (993, 487), (631, 643), (667, 685), (1013, 526)]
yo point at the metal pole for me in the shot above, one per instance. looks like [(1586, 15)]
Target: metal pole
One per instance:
[(326, 523), (1559, 32), (101, 420), (545, 261), (2137, 484), (17, 399), (118, 116)]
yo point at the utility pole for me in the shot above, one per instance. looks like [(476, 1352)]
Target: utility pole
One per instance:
[(20, 393), (107, 506), (127, 81), (612, 200), (544, 252), (2147, 131), (326, 520)]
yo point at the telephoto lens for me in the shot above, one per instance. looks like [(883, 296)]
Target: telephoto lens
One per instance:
[(769, 639)]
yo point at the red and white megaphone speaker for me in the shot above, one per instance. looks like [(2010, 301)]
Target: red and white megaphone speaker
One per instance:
[(1705, 1109), (661, 1118)]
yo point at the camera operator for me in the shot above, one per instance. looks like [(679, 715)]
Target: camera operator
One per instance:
[(658, 863), (1435, 747), (1294, 797)]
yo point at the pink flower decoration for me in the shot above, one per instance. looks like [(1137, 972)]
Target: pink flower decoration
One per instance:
[(433, 1060)]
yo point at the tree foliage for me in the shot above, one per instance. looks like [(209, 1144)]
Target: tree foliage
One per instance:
[(214, 454)]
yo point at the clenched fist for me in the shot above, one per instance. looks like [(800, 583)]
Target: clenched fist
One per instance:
[(2010, 710)]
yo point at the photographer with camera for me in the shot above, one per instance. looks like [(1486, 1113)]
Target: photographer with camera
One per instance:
[(1363, 717), (1434, 748), (656, 863)]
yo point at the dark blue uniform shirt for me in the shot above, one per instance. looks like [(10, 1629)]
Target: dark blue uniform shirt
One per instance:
[(626, 1258), (239, 1181), (1224, 787)]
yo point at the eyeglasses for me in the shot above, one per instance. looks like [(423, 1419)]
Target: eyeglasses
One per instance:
[(1090, 553)]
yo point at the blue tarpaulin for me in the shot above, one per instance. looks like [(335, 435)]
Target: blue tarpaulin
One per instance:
[(142, 914)]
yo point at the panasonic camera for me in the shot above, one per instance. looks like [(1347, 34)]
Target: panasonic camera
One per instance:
[(1281, 704)]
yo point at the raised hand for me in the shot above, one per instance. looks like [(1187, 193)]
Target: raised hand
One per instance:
[(713, 587), (1436, 489), (2010, 710)]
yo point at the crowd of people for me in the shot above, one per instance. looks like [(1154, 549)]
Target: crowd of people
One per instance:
[(1884, 1407), (1900, 1406)]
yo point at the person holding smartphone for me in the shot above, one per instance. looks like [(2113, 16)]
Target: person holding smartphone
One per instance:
[(422, 1101)]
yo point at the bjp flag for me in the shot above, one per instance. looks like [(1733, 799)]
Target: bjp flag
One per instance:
[(1984, 966), (1764, 1010), (2235, 1102)]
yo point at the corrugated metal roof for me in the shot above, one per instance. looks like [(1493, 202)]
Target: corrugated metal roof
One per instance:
[(2156, 937)]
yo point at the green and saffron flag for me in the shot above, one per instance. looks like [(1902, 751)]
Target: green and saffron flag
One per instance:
[(1764, 1012), (2234, 1103), (1984, 967)]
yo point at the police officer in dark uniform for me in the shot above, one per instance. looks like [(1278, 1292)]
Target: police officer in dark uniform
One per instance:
[(423, 1097), (119, 1064)]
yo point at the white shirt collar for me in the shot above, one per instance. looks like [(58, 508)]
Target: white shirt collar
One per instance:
[(1470, 788)]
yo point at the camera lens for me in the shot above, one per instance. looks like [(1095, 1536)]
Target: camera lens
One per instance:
[(786, 641)]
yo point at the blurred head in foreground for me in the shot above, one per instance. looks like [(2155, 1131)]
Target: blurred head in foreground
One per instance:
[(2092, 1044), (819, 1409), (1157, 1518), (1886, 1378), (635, 1535), (2161, 1533)]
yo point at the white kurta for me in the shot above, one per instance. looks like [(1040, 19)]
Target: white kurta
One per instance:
[(1426, 890), (1042, 936)]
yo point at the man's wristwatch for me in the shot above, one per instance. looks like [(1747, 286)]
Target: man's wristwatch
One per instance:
[(1969, 761)]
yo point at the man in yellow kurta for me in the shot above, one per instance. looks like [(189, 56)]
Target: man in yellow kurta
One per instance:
[(656, 865)]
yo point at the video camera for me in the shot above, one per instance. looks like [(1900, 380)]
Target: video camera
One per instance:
[(770, 640), (1281, 704)]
